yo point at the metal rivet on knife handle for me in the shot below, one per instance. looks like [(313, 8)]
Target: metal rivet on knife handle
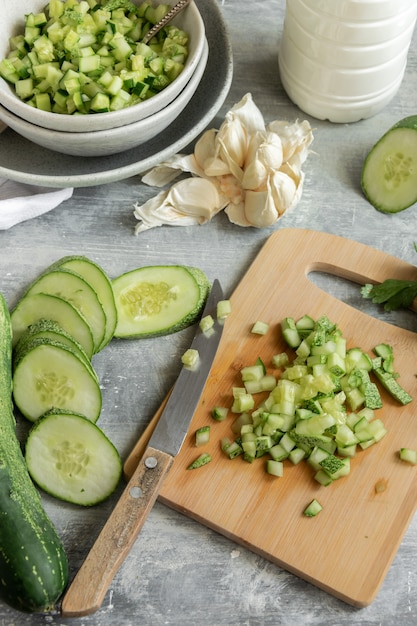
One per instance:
[(151, 462)]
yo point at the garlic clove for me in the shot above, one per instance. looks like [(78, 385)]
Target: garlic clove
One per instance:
[(284, 191), (260, 209), (233, 144), (205, 148), (188, 202), (296, 138), (270, 151), (248, 114), (236, 214), (255, 175), (196, 196)]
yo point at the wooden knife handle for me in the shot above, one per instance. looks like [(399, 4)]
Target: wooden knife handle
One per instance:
[(86, 593)]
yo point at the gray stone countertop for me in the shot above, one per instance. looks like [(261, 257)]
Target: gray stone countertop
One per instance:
[(179, 572)]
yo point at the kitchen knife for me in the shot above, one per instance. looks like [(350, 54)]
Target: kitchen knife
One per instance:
[(86, 593)]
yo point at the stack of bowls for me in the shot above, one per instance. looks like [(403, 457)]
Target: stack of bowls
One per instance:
[(101, 134), (344, 61)]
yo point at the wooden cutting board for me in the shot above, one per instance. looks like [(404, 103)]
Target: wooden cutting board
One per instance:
[(348, 548)]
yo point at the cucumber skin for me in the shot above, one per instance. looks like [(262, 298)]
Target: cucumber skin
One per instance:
[(73, 262), (409, 122), (33, 562), (406, 122)]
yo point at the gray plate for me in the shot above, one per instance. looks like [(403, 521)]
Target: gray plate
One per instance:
[(24, 161)]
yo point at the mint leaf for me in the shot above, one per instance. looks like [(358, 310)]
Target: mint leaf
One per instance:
[(393, 293)]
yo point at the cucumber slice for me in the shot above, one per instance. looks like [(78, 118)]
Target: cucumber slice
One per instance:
[(158, 300), (389, 173), (73, 288), (100, 282), (51, 375), (23, 347), (50, 330), (33, 307), (70, 458)]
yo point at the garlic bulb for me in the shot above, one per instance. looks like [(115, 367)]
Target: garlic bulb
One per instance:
[(249, 170)]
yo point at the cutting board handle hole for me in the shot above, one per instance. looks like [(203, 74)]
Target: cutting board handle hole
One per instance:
[(349, 292)]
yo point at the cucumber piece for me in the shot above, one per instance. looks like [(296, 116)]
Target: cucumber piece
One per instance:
[(389, 173), (33, 563), (33, 307), (201, 460), (72, 287), (313, 508), (202, 436), (23, 347), (70, 457), (100, 282), (408, 455), (51, 375), (50, 330), (158, 300)]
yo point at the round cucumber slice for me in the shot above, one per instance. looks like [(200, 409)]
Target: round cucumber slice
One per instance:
[(100, 282), (389, 173), (33, 307), (158, 300), (70, 457), (73, 288), (51, 375), (48, 329), (23, 347)]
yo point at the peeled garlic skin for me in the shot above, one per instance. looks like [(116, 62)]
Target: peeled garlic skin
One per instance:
[(188, 202)]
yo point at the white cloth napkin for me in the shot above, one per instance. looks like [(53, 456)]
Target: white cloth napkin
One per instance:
[(20, 202)]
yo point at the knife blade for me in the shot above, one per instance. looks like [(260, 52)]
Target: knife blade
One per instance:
[(86, 592)]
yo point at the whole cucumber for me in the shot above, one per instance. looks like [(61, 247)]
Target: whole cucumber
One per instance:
[(33, 562)]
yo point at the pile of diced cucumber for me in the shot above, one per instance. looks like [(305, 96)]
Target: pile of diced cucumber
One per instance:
[(87, 56), (322, 407)]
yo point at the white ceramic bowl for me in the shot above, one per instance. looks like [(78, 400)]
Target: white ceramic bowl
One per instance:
[(112, 140), (13, 13)]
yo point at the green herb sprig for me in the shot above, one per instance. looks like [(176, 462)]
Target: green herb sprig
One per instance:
[(392, 293)]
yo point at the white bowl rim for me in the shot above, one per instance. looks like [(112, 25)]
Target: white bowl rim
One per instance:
[(111, 133)]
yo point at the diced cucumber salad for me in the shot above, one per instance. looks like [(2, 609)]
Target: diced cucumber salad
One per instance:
[(87, 56), (319, 408)]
